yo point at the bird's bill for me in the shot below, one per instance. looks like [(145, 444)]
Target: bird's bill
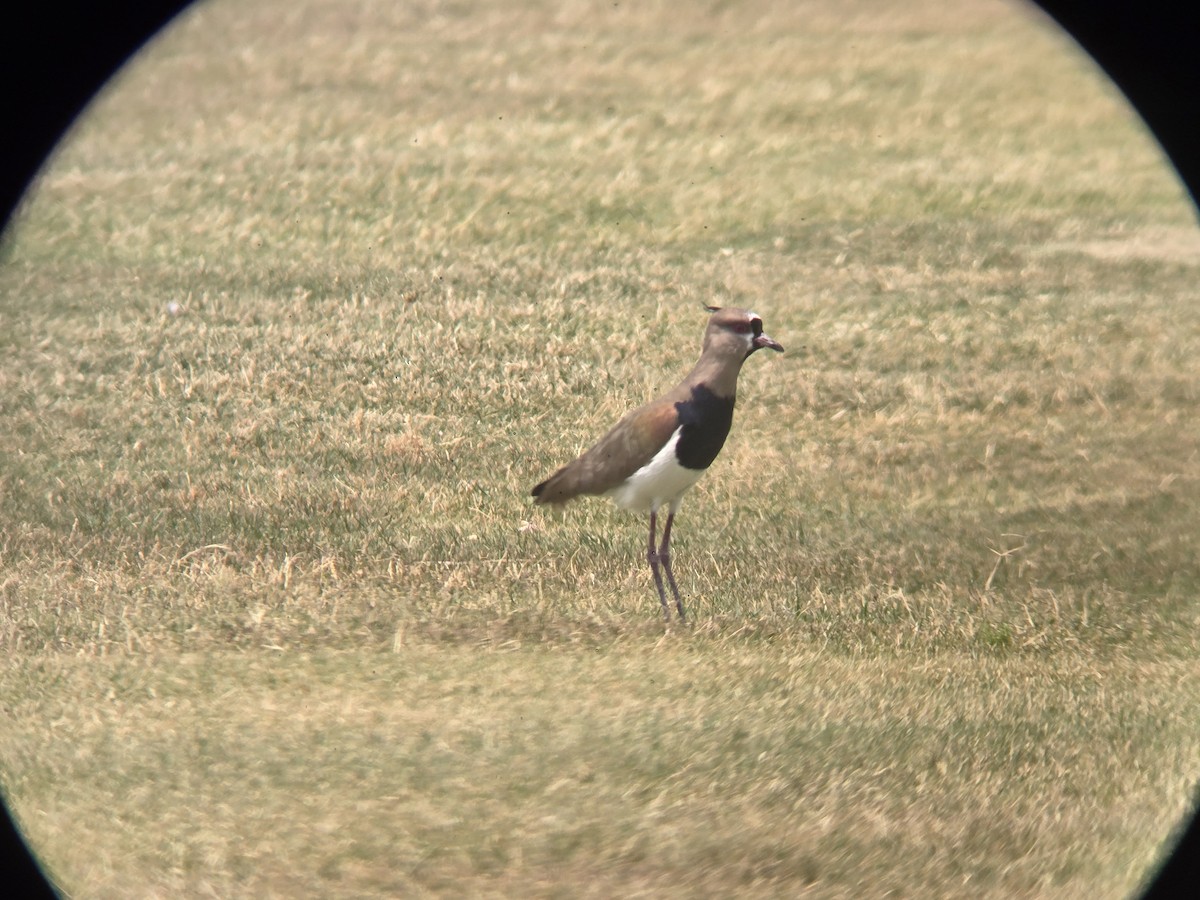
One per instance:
[(762, 340)]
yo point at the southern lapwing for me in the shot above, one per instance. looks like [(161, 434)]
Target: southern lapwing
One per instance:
[(658, 451)]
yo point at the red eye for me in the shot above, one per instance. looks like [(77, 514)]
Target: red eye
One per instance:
[(741, 327)]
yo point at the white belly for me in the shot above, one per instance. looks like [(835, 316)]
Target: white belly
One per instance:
[(661, 481)]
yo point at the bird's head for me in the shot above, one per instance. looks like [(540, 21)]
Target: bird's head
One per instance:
[(739, 330)]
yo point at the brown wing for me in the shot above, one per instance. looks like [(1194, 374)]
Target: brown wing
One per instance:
[(630, 444)]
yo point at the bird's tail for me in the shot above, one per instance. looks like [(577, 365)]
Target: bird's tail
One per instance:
[(558, 488)]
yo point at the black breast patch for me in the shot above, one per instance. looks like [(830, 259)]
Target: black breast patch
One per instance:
[(705, 419)]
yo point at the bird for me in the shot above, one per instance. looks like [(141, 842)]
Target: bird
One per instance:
[(650, 458)]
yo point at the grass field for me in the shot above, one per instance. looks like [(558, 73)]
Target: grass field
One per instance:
[(317, 292)]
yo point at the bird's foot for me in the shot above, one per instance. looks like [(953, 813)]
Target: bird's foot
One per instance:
[(665, 559), (654, 559)]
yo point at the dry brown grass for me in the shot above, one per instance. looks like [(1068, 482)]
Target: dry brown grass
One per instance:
[(706, 765), (319, 290)]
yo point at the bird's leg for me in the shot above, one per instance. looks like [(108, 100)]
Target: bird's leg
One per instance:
[(664, 556), (652, 557)]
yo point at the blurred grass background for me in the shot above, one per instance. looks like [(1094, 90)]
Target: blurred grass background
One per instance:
[(317, 291)]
